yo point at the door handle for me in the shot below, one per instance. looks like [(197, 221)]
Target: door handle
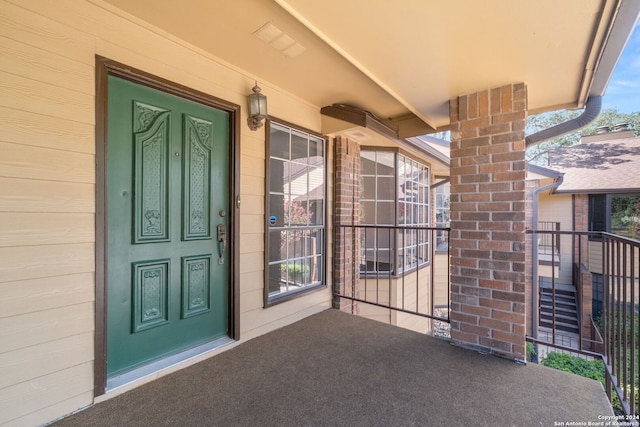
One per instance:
[(222, 242)]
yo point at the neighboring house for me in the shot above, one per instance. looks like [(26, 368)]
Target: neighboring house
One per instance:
[(142, 211), (597, 189)]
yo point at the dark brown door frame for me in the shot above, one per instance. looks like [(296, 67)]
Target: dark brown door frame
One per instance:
[(105, 68)]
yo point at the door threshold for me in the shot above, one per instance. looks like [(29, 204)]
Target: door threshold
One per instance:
[(157, 369)]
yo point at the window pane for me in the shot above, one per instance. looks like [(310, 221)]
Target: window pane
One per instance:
[(368, 162), (403, 214), (279, 143), (385, 164), (369, 187), (299, 146), (277, 248), (368, 213), (316, 271), (316, 150), (425, 194), (625, 215), (278, 176), (316, 182), (385, 213), (423, 218), (299, 179), (316, 211), (385, 188), (276, 279), (297, 212), (277, 214), (597, 213)]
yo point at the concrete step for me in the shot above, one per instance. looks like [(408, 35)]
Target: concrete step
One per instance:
[(547, 302), (563, 297), (559, 293), (569, 320), (560, 326)]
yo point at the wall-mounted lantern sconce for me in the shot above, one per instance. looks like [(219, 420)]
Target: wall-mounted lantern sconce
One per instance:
[(257, 108)]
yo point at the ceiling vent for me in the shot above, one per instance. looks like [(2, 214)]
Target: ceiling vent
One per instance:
[(279, 40)]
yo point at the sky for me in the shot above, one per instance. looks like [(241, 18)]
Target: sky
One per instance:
[(623, 91)]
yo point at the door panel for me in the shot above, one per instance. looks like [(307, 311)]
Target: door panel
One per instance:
[(167, 192)]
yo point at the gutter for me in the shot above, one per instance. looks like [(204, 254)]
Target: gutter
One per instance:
[(534, 256), (591, 111)]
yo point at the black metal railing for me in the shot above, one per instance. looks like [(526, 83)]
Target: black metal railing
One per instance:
[(399, 268), (604, 275)]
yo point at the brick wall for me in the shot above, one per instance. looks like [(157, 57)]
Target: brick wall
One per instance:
[(488, 220), (347, 212)]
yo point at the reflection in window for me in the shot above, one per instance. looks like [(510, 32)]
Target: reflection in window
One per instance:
[(394, 192), (618, 214), (296, 211)]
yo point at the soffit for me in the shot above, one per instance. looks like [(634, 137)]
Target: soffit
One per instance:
[(403, 57), (364, 136)]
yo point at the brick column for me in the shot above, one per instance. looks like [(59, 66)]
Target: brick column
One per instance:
[(346, 248), (488, 221)]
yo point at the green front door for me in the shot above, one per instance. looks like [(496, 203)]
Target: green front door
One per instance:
[(167, 225)]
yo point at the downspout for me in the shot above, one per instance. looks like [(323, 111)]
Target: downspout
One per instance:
[(591, 111), (534, 255)]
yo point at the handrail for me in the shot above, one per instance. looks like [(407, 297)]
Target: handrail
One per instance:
[(393, 267), (611, 335)]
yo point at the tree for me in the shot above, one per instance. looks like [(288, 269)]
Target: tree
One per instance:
[(609, 117)]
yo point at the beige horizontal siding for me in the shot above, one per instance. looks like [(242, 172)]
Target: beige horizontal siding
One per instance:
[(252, 224), (440, 279), (28, 296), (253, 241), (36, 395), (48, 413), (34, 63), (253, 166), (26, 161), (251, 261), (31, 262), (251, 281), (29, 195), (26, 330), (43, 359), (559, 208), (32, 28), (373, 312), (252, 300), (29, 229), (47, 177), (260, 321), (253, 204), (253, 185), (26, 128), (30, 95)]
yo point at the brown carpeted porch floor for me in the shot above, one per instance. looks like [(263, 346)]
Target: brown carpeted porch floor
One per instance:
[(335, 369)]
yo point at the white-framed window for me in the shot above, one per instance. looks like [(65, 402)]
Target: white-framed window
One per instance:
[(295, 211), (394, 192)]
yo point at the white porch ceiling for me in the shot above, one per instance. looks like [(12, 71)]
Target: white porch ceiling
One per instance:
[(401, 57)]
